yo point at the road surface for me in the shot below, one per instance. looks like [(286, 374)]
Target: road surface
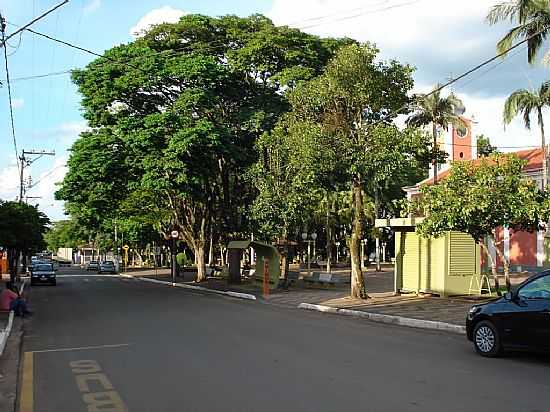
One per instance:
[(104, 343)]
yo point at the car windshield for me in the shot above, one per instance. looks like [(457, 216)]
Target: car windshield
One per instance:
[(93, 262), (108, 263), (43, 268)]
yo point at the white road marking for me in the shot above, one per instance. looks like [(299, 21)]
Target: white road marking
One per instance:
[(119, 345)]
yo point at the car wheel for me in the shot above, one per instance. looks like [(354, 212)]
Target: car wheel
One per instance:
[(487, 339)]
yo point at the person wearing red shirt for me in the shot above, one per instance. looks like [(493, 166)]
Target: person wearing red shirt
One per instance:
[(10, 300)]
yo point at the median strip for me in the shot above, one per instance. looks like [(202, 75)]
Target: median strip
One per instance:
[(390, 319)]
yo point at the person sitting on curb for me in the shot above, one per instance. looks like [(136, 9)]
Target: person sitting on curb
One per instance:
[(11, 300)]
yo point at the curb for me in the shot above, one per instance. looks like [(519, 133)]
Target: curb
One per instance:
[(246, 296), (390, 319), (5, 333)]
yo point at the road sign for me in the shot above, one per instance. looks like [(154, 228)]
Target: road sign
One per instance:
[(125, 247), (174, 233)]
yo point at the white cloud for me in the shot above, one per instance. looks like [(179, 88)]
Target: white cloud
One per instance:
[(92, 6), (441, 38), (68, 132), (9, 180), (45, 186), (18, 102), (164, 14)]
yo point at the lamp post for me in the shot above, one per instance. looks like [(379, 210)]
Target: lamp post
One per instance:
[(314, 237), (337, 251), (173, 235), (309, 242)]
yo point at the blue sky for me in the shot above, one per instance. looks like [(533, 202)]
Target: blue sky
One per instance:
[(441, 38)]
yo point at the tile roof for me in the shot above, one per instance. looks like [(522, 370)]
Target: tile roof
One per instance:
[(533, 157)]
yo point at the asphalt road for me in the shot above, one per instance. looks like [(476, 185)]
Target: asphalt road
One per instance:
[(109, 344)]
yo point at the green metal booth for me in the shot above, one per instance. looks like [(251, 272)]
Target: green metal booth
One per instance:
[(263, 251), (443, 266)]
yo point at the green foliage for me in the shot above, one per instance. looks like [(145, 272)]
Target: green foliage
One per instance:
[(174, 130), (477, 197), (484, 147), (65, 234), (183, 260), (532, 21), (524, 102), (22, 229)]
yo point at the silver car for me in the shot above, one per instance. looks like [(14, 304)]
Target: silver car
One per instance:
[(107, 267)]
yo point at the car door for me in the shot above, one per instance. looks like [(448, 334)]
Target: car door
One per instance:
[(534, 300)]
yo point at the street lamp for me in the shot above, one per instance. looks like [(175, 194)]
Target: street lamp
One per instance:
[(174, 235), (305, 239), (337, 251)]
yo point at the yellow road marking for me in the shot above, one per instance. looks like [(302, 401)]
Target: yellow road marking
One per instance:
[(27, 391)]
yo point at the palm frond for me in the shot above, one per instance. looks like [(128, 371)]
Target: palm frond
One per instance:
[(502, 11)]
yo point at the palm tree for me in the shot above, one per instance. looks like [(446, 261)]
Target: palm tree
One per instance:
[(532, 22), (440, 111), (525, 102)]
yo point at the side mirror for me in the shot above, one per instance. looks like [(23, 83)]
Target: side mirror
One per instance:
[(509, 296)]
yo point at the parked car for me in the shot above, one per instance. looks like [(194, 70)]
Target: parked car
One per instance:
[(93, 265), (518, 320), (107, 267), (43, 273)]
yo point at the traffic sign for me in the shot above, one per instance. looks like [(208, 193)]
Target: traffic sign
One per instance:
[(125, 247), (174, 233)]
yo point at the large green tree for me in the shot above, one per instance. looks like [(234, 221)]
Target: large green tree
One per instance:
[(181, 109), (524, 102), (478, 198), (354, 102), (22, 229)]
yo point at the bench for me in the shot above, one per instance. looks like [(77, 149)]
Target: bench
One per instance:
[(325, 279)]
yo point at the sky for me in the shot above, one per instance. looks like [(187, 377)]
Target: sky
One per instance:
[(440, 38)]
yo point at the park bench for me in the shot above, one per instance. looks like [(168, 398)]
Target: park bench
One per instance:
[(325, 279)]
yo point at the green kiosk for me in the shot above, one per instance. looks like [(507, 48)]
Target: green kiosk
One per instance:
[(263, 252), (443, 266)]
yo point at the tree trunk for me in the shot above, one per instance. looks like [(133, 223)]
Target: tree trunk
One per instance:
[(544, 156), (222, 256), (211, 252), (434, 134), (493, 264), (329, 236), (357, 282), (199, 260), (377, 233), (506, 266)]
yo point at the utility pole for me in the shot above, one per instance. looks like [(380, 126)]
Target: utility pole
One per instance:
[(27, 161)]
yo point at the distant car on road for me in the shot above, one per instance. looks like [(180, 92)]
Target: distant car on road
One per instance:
[(43, 273), (93, 265), (107, 267), (518, 320)]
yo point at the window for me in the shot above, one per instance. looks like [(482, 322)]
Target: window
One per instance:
[(537, 289)]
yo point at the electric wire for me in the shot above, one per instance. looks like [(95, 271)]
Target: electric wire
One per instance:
[(8, 82)]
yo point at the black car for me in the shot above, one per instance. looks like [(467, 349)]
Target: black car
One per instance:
[(43, 273), (518, 320)]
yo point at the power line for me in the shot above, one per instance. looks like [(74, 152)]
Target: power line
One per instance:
[(41, 76), (5, 39), (317, 18), (354, 16), (3, 29), (463, 75)]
